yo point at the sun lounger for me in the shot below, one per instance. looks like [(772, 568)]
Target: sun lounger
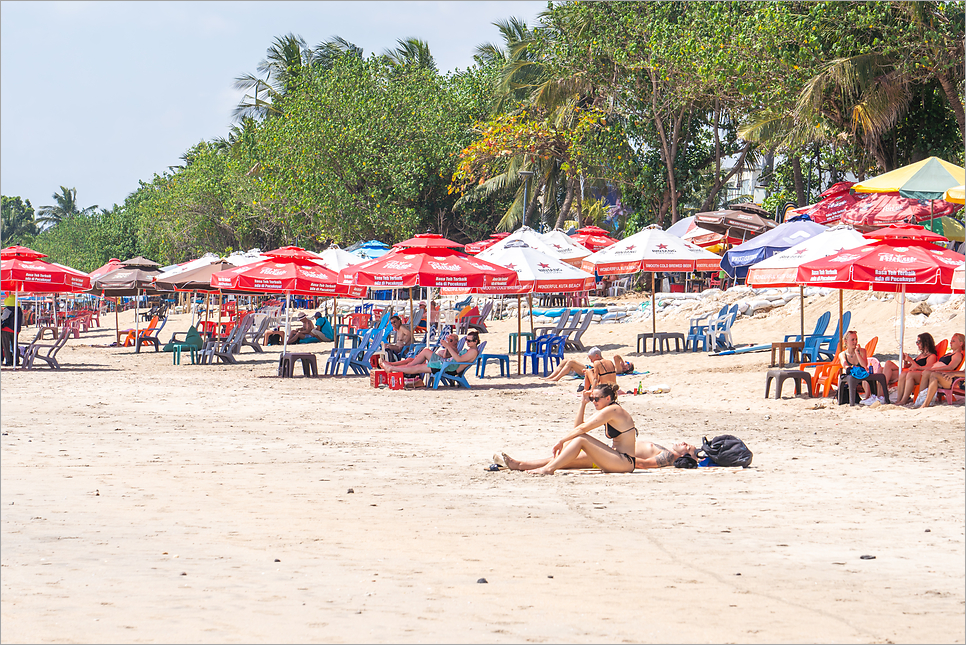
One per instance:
[(35, 351), (458, 379), (150, 339)]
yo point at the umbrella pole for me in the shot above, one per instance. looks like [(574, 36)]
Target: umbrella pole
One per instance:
[(801, 306), (530, 306), (288, 324), (519, 331), (653, 314), (137, 326), (117, 325), (16, 331), (221, 301), (412, 323), (902, 323), (841, 331)]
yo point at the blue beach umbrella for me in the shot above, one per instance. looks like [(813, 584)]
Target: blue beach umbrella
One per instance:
[(737, 261)]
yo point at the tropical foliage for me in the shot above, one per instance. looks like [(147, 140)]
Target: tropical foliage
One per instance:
[(620, 113)]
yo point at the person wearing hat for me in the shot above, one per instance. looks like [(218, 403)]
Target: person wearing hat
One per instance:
[(322, 329), (302, 332), (12, 315)]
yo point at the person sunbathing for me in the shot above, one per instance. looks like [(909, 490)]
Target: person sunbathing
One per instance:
[(921, 363), (952, 360), (933, 380), (577, 450), (600, 370), (646, 455), (428, 361)]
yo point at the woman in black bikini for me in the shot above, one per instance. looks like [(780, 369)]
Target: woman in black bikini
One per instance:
[(854, 355), (577, 450), (921, 363), (952, 360)]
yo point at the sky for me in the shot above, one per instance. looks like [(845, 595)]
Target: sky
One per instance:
[(99, 95)]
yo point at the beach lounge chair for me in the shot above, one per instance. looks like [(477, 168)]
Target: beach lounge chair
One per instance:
[(572, 335), (718, 334), (356, 358), (698, 330), (454, 373), (35, 351), (821, 325), (821, 346), (260, 325), (554, 330), (150, 338), (478, 322), (225, 350), (130, 335), (192, 340)]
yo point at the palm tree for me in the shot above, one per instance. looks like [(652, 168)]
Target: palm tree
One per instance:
[(286, 63), (410, 53), (65, 208), (327, 53)]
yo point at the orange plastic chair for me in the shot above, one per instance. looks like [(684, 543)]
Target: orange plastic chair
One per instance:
[(131, 334)]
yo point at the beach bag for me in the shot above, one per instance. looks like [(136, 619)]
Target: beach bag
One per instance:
[(857, 371), (727, 450)]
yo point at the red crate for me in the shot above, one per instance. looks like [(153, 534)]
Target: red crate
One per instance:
[(378, 377), (395, 380)]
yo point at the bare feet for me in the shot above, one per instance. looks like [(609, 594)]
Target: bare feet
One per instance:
[(540, 471), (511, 463)]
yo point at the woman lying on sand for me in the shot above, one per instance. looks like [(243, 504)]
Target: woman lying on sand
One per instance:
[(577, 450), (600, 370)]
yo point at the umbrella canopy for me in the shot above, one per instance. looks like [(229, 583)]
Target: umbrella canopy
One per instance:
[(336, 259), (886, 209), (36, 275), (21, 252), (126, 281), (593, 238), (536, 272), (564, 244), (951, 229), (196, 279), (959, 279), (534, 240), (203, 261), (428, 241), (650, 250), (140, 262), (926, 179), (286, 274), (956, 195), (735, 223), (439, 267), (475, 247), (890, 264), (688, 231), (781, 269), (737, 260), (832, 203), (112, 265)]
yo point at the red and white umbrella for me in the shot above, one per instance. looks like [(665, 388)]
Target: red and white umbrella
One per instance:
[(884, 209), (476, 247), (40, 276), (832, 203), (651, 250), (439, 267), (959, 279), (525, 234), (902, 259), (593, 238), (536, 272), (566, 247)]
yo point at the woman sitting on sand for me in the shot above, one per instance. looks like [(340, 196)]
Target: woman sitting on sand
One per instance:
[(577, 450), (949, 362), (600, 370), (921, 363)]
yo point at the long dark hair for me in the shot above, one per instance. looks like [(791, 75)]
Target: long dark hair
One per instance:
[(928, 344)]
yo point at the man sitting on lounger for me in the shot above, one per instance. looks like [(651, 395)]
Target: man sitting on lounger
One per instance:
[(600, 370), (429, 362), (403, 337)]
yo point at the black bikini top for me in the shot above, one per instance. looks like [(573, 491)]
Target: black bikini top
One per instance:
[(947, 359), (613, 433)]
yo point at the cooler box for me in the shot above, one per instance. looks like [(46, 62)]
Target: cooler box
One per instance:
[(378, 377), (395, 380)]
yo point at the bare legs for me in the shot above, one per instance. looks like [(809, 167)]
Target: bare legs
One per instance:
[(583, 461), (608, 459), (935, 380), (891, 371), (907, 386), (563, 370)]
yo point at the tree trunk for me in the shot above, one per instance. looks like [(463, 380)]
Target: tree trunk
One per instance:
[(721, 181), (568, 200), (580, 202), (799, 182), (533, 199), (955, 102)]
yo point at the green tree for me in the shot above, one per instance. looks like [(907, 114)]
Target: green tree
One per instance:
[(18, 224), (65, 207)]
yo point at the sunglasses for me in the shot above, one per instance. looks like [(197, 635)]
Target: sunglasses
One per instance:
[(595, 399)]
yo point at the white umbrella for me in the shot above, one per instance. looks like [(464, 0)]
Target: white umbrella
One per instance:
[(566, 248), (536, 241)]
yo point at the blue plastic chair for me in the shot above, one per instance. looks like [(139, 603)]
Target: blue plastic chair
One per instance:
[(547, 349), (821, 325), (816, 346), (459, 378), (698, 332), (340, 355)]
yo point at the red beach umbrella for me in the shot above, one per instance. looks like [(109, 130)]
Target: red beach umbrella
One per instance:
[(39, 276), (902, 259), (832, 203), (284, 276), (21, 252), (428, 241), (112, 265), (593, 237), (884, 209), (436, 267)]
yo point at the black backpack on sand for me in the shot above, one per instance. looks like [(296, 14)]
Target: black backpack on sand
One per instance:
[(727, 450)]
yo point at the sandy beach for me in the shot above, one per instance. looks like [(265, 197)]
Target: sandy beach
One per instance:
[(150, 502)]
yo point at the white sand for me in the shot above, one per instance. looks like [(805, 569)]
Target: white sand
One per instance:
[(146, 502)]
